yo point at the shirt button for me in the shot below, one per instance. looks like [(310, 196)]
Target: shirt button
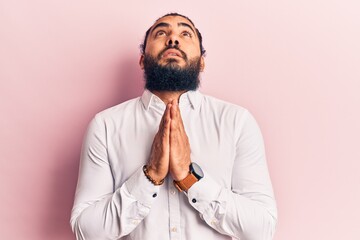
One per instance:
[(172, 191), (135, 222), (213, 222), (173, 229), (193, 200), (154, 195)]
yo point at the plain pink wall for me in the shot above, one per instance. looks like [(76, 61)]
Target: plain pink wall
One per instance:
[(294, 64)]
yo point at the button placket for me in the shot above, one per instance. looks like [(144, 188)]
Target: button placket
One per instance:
[(174, 211), (172, 191)]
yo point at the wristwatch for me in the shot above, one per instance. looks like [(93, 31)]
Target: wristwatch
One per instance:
[(195, 174)]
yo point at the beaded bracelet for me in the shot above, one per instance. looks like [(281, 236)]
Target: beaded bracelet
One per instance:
[(146, 172)]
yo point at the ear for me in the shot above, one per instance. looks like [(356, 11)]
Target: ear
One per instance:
[(141, 61), (202, 64)]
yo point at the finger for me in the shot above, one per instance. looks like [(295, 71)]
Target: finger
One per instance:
[(174, 118), (176, 115), (167, 119), (173, 111), (174, 104), (164, 130), (165, 116)]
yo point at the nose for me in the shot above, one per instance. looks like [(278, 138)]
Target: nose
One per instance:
[(172, 41)]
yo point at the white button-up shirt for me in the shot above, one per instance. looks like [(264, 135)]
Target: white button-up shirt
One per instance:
[(114, 199)]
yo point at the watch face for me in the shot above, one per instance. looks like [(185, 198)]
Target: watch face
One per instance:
[(196, 170)]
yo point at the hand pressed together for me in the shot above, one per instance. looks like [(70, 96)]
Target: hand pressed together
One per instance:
[(170, 152)]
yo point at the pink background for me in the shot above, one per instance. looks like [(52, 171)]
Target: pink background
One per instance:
[(294, 64)]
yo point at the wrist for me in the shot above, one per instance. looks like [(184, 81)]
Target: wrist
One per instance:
[(180, 175), (181, 171), (152, 177), (194, 175)]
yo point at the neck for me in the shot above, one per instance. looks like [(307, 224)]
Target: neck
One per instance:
[(168, 96)]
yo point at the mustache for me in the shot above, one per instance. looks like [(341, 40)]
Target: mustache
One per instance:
[(183, 54)]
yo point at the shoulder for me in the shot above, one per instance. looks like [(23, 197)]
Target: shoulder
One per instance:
[(118, 111), (235, 117), (227, 113), (221, 106)]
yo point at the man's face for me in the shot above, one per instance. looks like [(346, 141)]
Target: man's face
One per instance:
[(173, 41)]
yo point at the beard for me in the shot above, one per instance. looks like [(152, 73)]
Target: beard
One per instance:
[(171, 77)]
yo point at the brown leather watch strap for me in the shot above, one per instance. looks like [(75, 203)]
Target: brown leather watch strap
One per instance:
[(186, 183)]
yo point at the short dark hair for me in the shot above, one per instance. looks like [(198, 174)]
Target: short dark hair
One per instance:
[(143, 45)]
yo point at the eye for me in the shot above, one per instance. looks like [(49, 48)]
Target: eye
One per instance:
[(160, 33), (186, 34)]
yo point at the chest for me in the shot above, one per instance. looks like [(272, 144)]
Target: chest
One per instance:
[(211, 141)]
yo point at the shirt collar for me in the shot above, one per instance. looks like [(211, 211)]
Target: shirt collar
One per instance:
[(189, 98)]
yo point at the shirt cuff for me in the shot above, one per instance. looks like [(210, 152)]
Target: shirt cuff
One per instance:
[(141, 188), (203, 192)]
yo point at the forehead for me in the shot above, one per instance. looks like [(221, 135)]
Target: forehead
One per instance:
[(172, 21)]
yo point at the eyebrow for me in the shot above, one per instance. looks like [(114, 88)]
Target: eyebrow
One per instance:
[(186, 25), (163, 24)]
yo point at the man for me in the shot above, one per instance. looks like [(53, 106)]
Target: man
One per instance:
[(173, 163)]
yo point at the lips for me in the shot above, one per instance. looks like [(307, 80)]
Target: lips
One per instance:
[(171, 53)]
